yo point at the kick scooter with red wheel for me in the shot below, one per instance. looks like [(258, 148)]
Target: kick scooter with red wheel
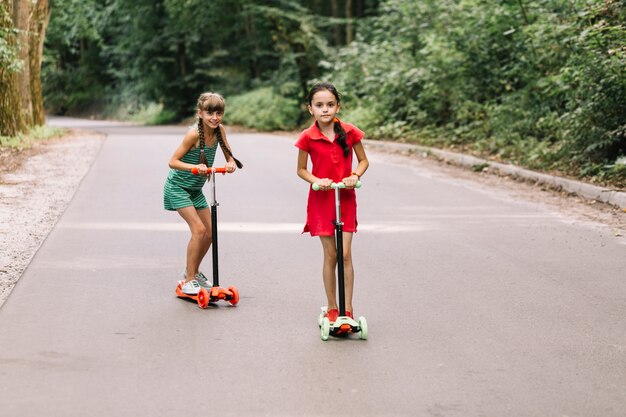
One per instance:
[(216, 293), (344, 325)]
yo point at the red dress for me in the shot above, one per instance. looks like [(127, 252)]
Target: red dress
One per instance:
[(328, 162)]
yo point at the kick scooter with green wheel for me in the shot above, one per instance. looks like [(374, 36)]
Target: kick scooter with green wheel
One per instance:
[(344, 325)]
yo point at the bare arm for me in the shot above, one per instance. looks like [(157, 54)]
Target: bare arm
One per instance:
[(306, 175), (361, 167), (189, 141)]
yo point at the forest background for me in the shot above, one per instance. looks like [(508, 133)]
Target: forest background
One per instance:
[(540, 84)]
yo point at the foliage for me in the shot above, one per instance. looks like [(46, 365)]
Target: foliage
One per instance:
[(595, 117), (541, 84), (73, 78), (296, 39), (148, 114), (101, 54), (263, 109), (8, 54)]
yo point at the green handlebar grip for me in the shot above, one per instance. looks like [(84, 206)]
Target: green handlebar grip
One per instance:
[(316, 186)]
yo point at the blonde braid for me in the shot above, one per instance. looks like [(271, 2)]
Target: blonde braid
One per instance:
[(220, 140), (203, 159)]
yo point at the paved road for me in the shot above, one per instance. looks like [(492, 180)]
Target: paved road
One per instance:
[(477, 304)]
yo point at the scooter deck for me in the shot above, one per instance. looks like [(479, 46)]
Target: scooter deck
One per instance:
[(204, 296), (342, 327)]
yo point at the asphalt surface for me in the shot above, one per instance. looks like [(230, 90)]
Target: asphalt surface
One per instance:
[(477, 304)]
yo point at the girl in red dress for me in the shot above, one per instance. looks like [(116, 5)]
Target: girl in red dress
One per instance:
[(330, 143)]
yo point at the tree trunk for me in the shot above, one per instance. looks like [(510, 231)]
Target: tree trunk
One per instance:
[(349, 25), (40, 17), (255, 67), (182, 57), (11, 120), (20, 19), (336, 27)]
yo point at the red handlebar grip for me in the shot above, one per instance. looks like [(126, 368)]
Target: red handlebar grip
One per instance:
[(195, 171)]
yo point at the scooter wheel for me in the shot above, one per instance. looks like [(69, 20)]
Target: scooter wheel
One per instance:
[(321, 316), (363, 327), (235, 298), (203, 298), (325, 328)]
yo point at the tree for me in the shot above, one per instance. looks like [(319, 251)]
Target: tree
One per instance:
[(11, 120), (40, 16), (22, 27)]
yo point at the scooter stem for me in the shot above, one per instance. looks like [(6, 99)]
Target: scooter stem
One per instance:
[(337, 186), (214, 204), (339, 240)]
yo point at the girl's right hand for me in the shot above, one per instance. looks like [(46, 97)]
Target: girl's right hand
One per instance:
[(202, 169), (324, 184)]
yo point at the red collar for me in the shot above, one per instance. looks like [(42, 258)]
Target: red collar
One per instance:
[(315, 133)]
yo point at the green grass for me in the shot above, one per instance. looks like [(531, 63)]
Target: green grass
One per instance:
[(36, 133)]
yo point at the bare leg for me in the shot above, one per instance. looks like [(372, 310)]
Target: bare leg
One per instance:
[(328, 270), (330, 266), (200, 227), (205, 216), (348, 269)]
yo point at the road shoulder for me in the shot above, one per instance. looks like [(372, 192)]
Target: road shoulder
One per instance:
[(36, 186)]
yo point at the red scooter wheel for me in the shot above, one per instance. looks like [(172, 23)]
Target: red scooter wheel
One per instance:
[(235, 298), (203, 298)]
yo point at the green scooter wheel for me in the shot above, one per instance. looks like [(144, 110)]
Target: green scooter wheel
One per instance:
[(363, 327), (325, 328)]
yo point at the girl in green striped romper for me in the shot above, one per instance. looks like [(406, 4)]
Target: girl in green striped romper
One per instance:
[(183, 190)]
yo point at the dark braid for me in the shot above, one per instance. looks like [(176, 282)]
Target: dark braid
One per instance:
[(341, 137)]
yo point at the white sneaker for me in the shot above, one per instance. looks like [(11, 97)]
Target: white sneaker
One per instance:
[(201, 278), (191, 288), (203, 281)]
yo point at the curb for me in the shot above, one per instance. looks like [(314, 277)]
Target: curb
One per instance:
[(582, 189)]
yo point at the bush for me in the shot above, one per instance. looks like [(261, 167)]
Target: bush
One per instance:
[(263, 109), (149, 114)]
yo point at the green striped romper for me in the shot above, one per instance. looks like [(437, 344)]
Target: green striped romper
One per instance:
[(182, 188)]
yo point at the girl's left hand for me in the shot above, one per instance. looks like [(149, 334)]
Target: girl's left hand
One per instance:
[(231, 166), (350, 181)]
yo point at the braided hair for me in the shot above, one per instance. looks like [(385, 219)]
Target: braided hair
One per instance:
[(339, 131), (213, 102)]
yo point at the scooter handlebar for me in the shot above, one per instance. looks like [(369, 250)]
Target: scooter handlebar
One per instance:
[(194, 170), (316, 186)]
